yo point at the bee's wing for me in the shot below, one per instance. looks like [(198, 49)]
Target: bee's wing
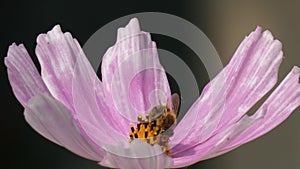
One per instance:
[(175, 102), (157, 111)]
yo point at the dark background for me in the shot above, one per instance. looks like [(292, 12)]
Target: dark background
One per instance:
[(225, 24)]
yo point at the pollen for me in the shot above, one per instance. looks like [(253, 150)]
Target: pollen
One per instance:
[(154, 131)]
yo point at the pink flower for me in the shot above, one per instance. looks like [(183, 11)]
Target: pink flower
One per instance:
[(70, 106)]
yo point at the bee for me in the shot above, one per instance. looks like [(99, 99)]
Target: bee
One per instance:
[(165, 117), (158, 125)]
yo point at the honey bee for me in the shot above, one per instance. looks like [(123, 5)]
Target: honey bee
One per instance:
[(165, 117), (158, 125)]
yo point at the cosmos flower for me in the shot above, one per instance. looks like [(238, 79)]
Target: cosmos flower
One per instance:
[(128, 120)]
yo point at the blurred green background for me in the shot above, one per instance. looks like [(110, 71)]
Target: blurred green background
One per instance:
[(225, 23)]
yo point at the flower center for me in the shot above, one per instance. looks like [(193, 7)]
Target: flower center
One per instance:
[(156, 128)]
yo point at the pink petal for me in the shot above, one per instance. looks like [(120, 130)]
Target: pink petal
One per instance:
[(91, 113), (251, 73), (133, 79), (138, 155), (280, 104), (53, 120), (57, 53), (24, 78), (202, 151), (256, 78)]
